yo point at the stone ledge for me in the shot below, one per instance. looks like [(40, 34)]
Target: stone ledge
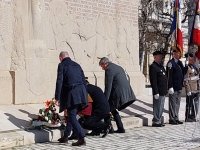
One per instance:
[(11, 139), (21, 137)]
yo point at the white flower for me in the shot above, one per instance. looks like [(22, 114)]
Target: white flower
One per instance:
[(49, 121), (43, 113), (46, 118), (192, 70), (50, 111)]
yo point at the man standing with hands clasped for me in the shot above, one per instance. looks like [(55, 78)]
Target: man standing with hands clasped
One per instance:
[(175, 75), (158, 82)]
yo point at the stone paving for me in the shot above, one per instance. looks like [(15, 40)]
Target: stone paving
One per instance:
[(170, 137)]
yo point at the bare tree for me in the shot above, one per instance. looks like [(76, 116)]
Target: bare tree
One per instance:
[(155, 19)]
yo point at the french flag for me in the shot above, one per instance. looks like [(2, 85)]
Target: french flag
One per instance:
[(176, 29), (195, 34), (196, 29)]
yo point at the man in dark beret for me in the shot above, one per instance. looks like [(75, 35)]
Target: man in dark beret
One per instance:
[(158, 82)]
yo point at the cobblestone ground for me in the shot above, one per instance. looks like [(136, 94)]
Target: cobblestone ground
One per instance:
[(170, 137)]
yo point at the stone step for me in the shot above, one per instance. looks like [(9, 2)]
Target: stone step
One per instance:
[(11, 139), (19, 138)]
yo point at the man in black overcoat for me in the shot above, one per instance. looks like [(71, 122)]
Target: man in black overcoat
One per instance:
[(118, 91), (71, 93), (175, 73), (158, 82)]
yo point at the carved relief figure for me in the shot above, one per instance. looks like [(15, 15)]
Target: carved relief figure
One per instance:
[(111, 39), (88, 34), (37, 55), (17, 50), (5, 34), (100, 43)]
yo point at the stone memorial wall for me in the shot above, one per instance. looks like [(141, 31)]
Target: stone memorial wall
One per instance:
[(33, 32)]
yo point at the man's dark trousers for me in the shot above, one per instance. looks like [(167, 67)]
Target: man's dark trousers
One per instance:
[(95, 122), (174, 105), (192, 106), (73, 123)]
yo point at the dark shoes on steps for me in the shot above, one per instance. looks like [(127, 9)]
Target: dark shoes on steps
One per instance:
[(63, 140), (190, 120), (175, 122), (93, 133), (157, 125), (80, 142), (120, 131), (106, 131)]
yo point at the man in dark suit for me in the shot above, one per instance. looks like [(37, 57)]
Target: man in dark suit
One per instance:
[(175, 73), (71, 94), (118, 91), (158, 82), (100, 111)]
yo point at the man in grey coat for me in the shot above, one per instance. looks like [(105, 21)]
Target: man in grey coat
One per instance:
[(117, 90)]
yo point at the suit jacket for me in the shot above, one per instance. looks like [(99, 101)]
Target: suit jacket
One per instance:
[(158, 79), (100, 105), (70, 85), (175, 75), (117, 87)]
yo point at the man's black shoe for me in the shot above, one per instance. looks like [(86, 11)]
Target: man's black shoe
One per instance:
[(163, 125), (173, 122), (179, 122), (93, 133), (157, 125), (120, 131), (106, 131), (63, 140), (190, 120), (111, 131)]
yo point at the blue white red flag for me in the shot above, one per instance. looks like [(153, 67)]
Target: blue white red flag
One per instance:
[(176, 29), (196, 28)]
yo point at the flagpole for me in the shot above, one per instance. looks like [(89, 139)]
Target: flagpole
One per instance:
[(176, 10)]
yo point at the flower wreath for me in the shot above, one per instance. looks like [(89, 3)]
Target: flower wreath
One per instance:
[(48, 116)]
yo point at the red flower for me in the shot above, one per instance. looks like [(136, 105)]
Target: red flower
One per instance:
[(52, 122), (47, 103), (39, 118), (47, 109)]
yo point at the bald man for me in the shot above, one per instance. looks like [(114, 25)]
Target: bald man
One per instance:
[(71, 93)]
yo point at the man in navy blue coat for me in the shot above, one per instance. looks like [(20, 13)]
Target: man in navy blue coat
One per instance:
[(71, 93), (175, 73)]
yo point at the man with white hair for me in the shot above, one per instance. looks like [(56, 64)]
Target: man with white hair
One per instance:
[(118, 90)]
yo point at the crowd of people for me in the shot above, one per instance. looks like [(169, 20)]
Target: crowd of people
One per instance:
[(171, 81), (76, 96)]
